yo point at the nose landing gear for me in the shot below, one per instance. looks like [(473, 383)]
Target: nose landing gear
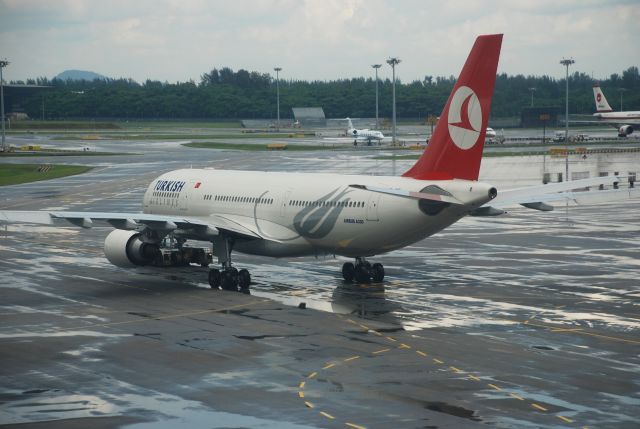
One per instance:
[(362, 271)]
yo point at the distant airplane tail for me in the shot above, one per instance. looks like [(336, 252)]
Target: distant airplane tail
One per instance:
[(455, 150), (350, 124), (602, 106)]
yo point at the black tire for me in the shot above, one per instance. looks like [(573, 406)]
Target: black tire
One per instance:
[(215, 278), (244, 279), (363, 274), (377, 273), (348, 272), (230, 279)]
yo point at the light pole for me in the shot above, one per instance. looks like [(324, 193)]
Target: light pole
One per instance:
[(377, 66), (277, 70), (3, 64), (393, 62), (532, 91), (621, 90), (566, 62)]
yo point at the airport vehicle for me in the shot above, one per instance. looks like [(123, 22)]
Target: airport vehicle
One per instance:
[(558, 136), (364, 134), (300, 214), (625, 121)]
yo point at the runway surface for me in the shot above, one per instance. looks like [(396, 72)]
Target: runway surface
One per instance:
[(525, 320)]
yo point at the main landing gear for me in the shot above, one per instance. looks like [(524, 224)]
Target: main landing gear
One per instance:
[(362, 271), (229, 277)]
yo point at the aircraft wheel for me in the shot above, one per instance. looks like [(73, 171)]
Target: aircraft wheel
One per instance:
[(377, 273), (363, 274), (215, 278), (230, 279), (348, 272), (244, 279)]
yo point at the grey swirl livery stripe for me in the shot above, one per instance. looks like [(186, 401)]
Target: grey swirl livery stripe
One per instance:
[(432, 208), (317, 221), (313, 221)]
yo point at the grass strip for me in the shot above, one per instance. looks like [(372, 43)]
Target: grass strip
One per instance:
[(13, 174)]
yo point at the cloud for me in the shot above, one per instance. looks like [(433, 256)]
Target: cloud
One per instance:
[(311, 39)]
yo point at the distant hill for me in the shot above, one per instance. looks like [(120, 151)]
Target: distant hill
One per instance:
[(79, 75)]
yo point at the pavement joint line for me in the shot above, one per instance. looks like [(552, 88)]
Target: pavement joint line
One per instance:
[(565, 329), (538, 407), (309, 404), (583, 332), (302, 383), (167, 317), (391, 339), (438, 361), (73, 194), (327, 415)]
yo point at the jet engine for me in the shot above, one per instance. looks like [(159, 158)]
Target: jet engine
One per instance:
[(625, 130), (126, 249)]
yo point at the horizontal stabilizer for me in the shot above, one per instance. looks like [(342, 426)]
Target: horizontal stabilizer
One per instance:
[(409, 194), (487, 211), (538, 206), (549, 192)]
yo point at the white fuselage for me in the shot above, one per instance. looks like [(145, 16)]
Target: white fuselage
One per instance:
[(298, 214), (619, 118), (366, 135)]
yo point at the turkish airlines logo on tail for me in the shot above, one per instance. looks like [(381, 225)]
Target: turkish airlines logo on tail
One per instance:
[(465, 118)]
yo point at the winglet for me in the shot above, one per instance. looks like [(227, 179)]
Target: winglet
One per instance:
[(455, 149)]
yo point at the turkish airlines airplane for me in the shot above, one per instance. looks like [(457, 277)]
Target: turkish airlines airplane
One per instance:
[(624, 121), (300, 214), (363, 134)]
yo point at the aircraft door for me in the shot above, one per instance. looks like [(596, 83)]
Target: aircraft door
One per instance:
[(183, 199), (372, 206), (285, 202)]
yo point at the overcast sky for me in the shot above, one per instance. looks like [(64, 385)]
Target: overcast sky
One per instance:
[(178, 40)]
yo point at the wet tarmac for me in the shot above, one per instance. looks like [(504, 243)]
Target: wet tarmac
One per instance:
[(525, 320)]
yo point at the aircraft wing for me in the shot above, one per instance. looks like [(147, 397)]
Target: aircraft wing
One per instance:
[(205, 227), (537, 197)]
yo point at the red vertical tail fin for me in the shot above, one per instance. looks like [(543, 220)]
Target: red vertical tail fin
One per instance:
[(455, 149)]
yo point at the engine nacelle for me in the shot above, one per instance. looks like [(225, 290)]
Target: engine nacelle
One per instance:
[(625, 130), (126, 249)]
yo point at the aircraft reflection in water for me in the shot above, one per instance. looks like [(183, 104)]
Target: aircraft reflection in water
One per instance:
[(367, 301)]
